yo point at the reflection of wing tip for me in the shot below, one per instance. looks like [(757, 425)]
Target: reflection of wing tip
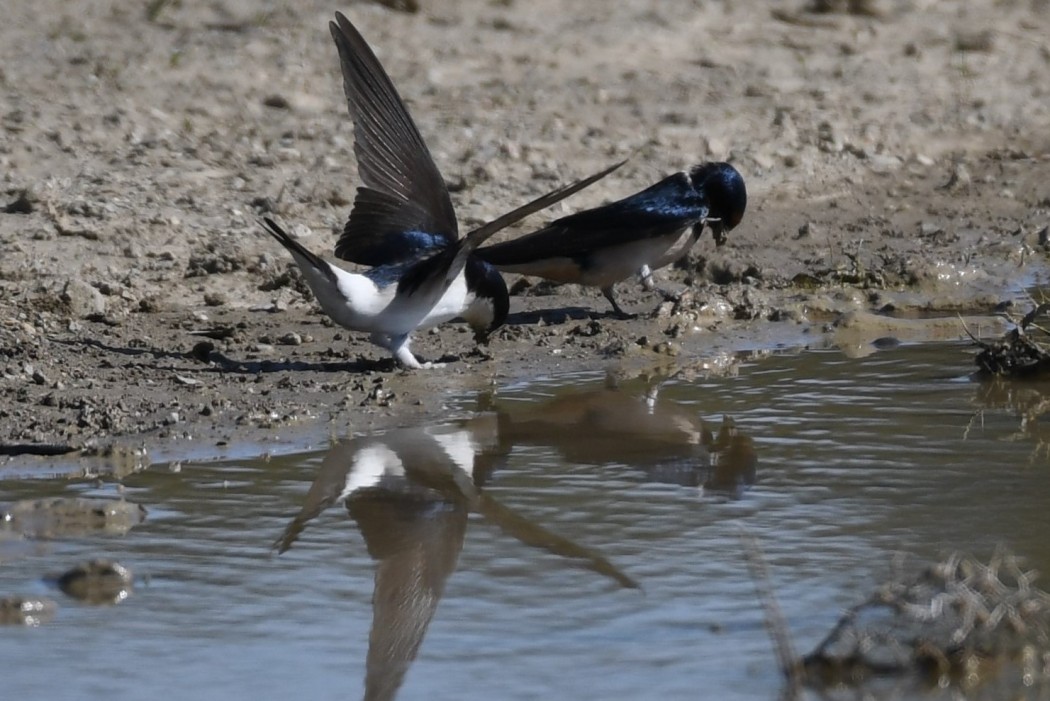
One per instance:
[(287, 539)]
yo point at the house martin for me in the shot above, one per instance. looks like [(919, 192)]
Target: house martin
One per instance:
[(640, 233), (402, 224), (411, 493)]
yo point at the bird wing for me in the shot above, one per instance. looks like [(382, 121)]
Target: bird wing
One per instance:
[(443, 267), (328, 483), (669, 205), (403, 192)]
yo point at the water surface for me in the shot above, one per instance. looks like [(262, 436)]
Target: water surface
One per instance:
[(572, 540)]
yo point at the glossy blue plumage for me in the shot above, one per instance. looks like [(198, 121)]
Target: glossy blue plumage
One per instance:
[(668, 205), (402, 224), (385, 275), (646, 230)]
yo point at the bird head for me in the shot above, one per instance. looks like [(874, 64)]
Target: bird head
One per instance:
[(723, 187), (491, 303)]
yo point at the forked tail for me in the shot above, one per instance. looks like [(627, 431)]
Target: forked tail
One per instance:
[(297, 250)]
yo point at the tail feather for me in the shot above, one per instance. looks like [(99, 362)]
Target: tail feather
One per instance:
[(296, 249)]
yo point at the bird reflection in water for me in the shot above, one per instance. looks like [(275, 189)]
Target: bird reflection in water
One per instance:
[(617, 424), (410, 491)]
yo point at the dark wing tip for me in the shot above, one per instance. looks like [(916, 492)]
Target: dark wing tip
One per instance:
[(392, 157), (478, 236), (344, 32)]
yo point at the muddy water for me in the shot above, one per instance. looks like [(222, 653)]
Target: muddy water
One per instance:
[(571, 540)]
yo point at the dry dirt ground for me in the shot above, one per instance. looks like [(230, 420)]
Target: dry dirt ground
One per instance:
[(897, 156)]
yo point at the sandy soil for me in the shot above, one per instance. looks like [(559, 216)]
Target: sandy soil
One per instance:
[(896, 155)]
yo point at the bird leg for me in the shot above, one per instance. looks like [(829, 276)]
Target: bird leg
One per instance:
[(398, 345), (646, 276), (617, 309)]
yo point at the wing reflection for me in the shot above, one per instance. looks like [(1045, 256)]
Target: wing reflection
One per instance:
[(616, 425), (410, 491)]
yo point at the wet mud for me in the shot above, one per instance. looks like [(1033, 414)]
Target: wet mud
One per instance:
[(896, 159)]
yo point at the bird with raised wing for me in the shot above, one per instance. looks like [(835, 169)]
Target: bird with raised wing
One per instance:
[(402, 223), (640, 233)]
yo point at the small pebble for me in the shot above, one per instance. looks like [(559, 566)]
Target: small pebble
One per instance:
[(26, 611), (97, 582), (215, 299), (981, 41), (278, 102)]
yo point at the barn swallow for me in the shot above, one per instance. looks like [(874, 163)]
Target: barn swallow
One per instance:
[(402, 223), (643, 232)]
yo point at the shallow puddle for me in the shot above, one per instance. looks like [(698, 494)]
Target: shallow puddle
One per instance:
[(569, 540)]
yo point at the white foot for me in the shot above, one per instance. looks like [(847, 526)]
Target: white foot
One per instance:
[(399, 347)]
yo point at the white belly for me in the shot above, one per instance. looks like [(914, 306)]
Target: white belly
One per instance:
[(356, 303), (678, 248), (619, 263)]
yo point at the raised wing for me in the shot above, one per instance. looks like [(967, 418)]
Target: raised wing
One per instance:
[(403, 190), (443, 267)]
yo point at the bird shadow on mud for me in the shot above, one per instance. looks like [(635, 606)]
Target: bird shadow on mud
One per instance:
[(205, 352), (559, 315)]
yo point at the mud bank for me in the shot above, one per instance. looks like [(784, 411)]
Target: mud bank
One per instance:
[(896, 165)]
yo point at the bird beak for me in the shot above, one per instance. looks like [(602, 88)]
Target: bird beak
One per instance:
[(718, 230)]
